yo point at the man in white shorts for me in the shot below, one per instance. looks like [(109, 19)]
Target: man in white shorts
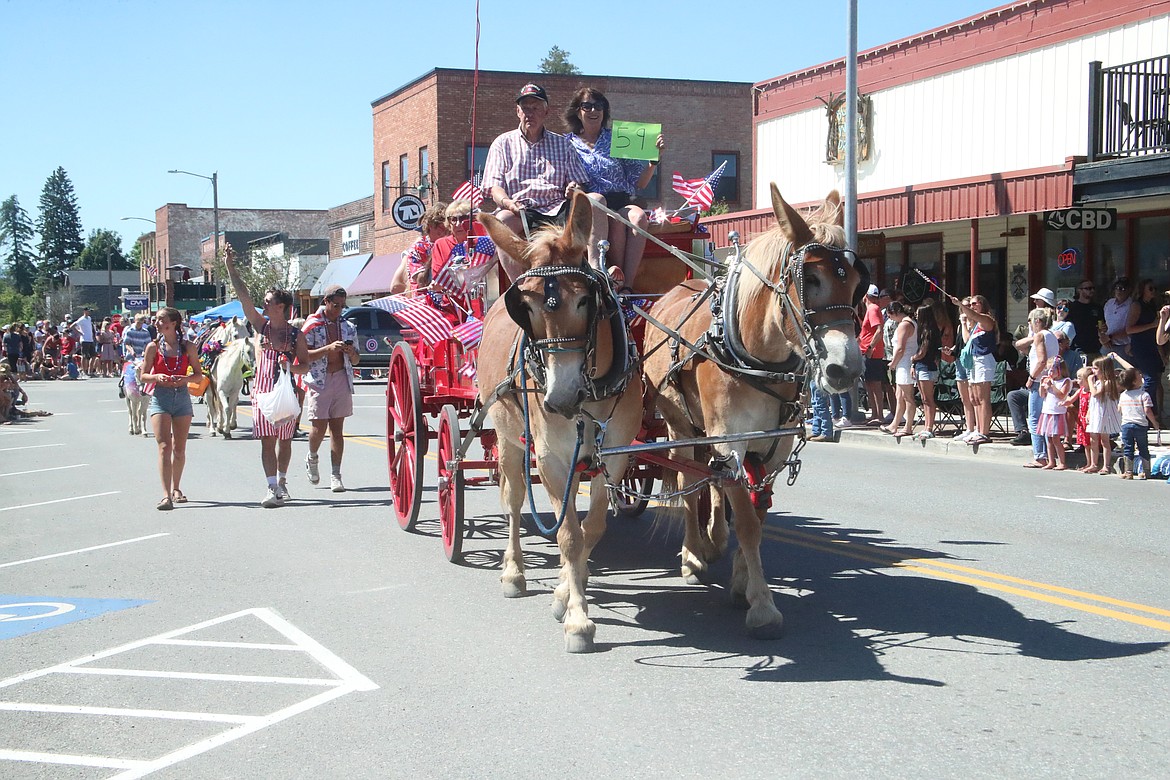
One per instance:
[(329, 382)]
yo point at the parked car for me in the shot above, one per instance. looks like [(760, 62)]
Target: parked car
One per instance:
[(374, 327)]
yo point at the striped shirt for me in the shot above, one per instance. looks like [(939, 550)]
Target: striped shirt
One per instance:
[(533, 175), (137, 338)]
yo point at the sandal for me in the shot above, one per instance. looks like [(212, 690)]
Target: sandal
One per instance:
[(179, 498), (165, 505)]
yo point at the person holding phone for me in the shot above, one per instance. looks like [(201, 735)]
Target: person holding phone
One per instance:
[(329, 382)]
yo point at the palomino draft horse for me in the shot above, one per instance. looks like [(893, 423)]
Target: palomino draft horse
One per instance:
[(734, 359), (555, 351)]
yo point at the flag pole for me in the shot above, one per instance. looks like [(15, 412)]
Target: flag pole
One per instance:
[(851, 129)]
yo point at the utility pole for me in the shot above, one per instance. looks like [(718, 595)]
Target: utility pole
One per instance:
[(851, 129)]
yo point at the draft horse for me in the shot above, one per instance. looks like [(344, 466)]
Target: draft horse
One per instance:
[(557, 370), (733, 358)]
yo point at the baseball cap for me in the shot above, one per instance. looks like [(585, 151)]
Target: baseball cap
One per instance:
[(333, 290), (532, 90), (872, 291)]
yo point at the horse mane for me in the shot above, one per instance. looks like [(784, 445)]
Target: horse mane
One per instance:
[(765, 251)]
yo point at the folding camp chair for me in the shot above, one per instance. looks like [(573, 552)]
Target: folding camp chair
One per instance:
[(947, 401), (999, 408)]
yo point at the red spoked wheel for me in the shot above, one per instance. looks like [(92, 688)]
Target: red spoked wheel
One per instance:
[(406, 435), (640, 484), (450, 484)]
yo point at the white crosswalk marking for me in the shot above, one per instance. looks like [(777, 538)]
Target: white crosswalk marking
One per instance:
[(339, 680)]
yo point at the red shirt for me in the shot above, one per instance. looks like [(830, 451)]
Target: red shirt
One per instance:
[(67, 345), (871, 332)]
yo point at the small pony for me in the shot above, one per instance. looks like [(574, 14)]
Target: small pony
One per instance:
[(137, 399)]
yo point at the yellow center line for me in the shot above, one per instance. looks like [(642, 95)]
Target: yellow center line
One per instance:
[(938, 569)]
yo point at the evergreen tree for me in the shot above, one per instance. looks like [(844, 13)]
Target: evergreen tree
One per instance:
[(557, 61), (102, 242), (59, 226), (16, 232)]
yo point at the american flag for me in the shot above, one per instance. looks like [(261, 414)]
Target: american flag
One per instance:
[(470, 190), (457, 276), (469, 364), (699, 192), (469, 333), (416, 313)]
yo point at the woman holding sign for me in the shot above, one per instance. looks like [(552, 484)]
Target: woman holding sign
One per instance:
[(613, 181)]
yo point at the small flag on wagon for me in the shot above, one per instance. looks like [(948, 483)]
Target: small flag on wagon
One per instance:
[(431, 325), (469, 364), (698, 192), (460, 273), (469, 333), (470, 190)]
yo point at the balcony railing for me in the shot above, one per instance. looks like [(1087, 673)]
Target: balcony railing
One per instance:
[(1129, 109), (185, 295)]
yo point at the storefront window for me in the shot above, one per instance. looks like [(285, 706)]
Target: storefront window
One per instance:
[(1064, 260), (1152, 245), (893, 263), (1109, 256)]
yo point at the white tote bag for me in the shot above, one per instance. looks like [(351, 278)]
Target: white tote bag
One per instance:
[(280, 403)]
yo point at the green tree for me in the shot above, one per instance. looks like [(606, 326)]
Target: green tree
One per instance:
[(15, 307), (16, 232), (59, 226), (102, 242), (261, 270), (557, 61)]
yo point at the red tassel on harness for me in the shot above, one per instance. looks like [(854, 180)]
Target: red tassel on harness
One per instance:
[(762, 496)]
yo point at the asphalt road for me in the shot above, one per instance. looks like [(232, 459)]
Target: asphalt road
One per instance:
[(945, 619)]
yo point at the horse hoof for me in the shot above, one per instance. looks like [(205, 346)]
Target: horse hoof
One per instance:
[(768, 631), (693, 579), (514, 590), (227, 434), (576, 643), (559, 608)]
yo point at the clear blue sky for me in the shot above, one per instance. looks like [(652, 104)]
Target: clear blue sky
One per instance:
[(275, 94)]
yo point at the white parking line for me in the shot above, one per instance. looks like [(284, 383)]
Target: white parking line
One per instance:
[(1089, 501), (30, 447), (345, 680), (10, 432), (59, 500), (83, 549), (38, 471)]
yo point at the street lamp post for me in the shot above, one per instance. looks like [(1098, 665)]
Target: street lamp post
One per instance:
[(110, 282), (214, 179)]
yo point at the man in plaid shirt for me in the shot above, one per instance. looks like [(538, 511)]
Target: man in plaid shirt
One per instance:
[(531, 172)]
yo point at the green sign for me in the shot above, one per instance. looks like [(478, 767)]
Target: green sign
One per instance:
[(634, 140)]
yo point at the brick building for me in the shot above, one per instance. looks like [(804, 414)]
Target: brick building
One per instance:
[(351, 228), (423, 143), (178, 237)]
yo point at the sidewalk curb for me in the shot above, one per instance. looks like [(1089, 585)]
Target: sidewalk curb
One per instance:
[(939, 446)]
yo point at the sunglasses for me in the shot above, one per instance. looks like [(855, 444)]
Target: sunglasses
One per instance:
[(465, 219), (592, 106)]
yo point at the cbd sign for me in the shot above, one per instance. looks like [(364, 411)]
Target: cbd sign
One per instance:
[(1081, 219)]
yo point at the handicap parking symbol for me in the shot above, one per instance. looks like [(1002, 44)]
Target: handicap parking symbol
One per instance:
[(20, 615)]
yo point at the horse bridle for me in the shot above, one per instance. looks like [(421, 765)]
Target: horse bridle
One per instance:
[(536, 350), (792, 274)]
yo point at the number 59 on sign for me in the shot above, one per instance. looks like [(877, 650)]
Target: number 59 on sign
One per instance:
[(635, 140)]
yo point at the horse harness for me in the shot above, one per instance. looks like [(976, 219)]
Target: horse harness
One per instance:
[(722, 345), (603, 304)]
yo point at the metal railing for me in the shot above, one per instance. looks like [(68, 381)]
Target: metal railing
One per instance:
[(1129, 109)]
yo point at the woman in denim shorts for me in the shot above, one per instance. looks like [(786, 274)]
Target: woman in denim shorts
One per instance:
[(925, 364), (165, 364), (962, 380)]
